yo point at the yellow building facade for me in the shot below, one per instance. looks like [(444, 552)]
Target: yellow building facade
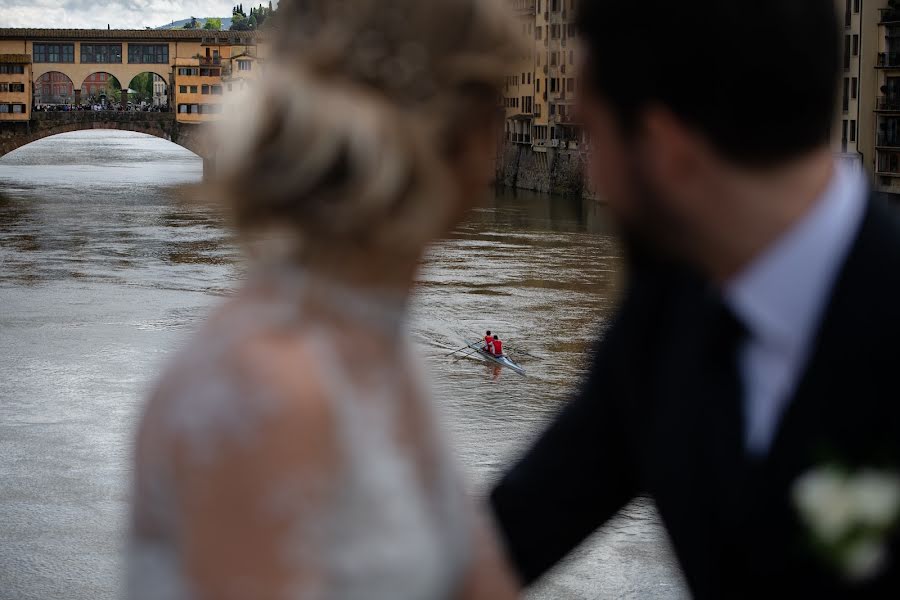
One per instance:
[(866, 132), (15, 87), (539, 92), (196, 65)]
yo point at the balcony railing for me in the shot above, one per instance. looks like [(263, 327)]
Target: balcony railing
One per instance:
[(888, 59), (888, 140), (888, 103), (889, 15), (888, 163), (207, 61)]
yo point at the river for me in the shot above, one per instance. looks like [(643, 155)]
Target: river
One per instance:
[(105, 269)]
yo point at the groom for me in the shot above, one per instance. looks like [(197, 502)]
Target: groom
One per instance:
[(750, 382)]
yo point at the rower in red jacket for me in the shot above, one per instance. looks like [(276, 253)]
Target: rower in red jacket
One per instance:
[(488, 343), (498, 346)]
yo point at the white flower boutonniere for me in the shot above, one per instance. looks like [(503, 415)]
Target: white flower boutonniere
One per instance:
[(850, 516)]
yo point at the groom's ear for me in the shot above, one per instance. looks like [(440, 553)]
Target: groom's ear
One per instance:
[(677, 157)]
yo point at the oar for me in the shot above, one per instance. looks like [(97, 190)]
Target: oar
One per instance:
[(527, 354), (463, 348), (467, 355)]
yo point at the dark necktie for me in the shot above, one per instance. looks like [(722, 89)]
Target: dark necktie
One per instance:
[(722, 404)]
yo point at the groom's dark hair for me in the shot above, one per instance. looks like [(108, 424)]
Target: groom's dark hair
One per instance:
[(758, 79)]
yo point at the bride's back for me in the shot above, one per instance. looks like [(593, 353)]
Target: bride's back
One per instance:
[(289, 450)]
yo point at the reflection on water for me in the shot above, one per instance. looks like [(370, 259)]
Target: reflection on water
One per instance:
[(103, 271)]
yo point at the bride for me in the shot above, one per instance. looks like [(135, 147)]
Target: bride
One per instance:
[(290, 450)]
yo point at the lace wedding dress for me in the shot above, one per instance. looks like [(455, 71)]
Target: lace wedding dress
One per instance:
[(381, 528)]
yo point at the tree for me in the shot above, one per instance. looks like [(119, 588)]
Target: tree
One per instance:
[(253, 22), (192, 24), (213, 24), (142, 84)]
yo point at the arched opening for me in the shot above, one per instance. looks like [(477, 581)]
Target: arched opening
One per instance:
[(53, 89), (148, 91), (101, 91)]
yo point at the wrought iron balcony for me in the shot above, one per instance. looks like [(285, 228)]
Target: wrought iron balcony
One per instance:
[(888, 103), (888, 60), (888, 163), (888, 140)]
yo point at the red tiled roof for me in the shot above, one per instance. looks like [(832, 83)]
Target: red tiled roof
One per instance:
[(126, 34)]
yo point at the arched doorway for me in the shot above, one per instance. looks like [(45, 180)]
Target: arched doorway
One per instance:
[(53, 88), (148, 91), (101, 89)]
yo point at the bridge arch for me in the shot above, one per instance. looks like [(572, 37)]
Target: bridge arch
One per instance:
[(149, 87), (193, 137), (54, 87), (99, 87)]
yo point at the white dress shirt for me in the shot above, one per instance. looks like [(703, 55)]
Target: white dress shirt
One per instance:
[(780, 299)]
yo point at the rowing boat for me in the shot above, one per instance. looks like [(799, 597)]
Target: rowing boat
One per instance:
[(503, 361)]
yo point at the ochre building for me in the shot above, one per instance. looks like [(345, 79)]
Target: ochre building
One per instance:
[(193, 70)]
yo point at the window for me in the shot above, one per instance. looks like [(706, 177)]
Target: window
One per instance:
[(148, 53), (189, 71), (101, 53), (854, 87), (53, 53), (537, 84), (210, 109), (193, 89), (244, 65), (182, 108), (195, 109), (216, 90), (4, 87), (210, 72), (847, 51), (529, 79), (12, 87), (553, 58), (4, 108), (182, 89), (204, 89), (12, 69), (846, 102), (855, 45), (844, 135), (538, 33), (856, 6), (570, 84), (852, 131), (18, 108)]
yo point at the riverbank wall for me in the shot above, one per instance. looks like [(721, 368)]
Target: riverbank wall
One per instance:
[(549, 169)]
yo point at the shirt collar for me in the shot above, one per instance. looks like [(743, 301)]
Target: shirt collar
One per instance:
[(780, 296)]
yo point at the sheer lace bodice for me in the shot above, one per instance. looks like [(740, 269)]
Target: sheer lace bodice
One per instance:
[(380, 515)]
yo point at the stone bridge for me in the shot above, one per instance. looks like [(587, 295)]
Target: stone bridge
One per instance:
[(160, 124)]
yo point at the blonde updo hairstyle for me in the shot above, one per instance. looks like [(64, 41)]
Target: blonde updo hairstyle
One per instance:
[(347, 139)]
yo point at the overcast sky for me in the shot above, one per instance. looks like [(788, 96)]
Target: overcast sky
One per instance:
[(119, 14)]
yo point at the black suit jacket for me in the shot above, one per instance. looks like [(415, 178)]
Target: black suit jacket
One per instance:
[(646, 422)]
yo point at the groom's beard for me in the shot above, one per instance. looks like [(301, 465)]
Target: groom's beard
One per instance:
[(653, 232)]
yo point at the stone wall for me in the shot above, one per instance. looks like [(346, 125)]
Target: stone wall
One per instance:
[(159, 124), (553, 172)]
